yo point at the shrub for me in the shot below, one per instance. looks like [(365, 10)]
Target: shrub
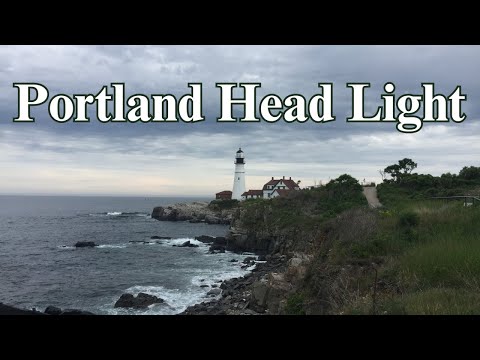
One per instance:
[(223, 204), (408, 219), (295, 305)]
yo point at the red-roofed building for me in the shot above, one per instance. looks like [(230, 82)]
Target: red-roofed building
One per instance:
[(279, 184), (280, 192), (224, 195), (252, 194)]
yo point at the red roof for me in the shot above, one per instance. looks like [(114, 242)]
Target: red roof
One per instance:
[(271, 182), (282, 192), (288, 183), (253, 192), (226, 192)]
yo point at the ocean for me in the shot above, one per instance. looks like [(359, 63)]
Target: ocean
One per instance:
[(39, 266)]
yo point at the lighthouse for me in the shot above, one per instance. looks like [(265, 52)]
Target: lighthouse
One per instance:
[(239, 179)]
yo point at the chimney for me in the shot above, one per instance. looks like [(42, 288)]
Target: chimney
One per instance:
[(284, 178), (290, 178), (272, 177)]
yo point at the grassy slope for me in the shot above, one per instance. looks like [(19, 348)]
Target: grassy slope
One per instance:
[(431, 264), (426, 253)]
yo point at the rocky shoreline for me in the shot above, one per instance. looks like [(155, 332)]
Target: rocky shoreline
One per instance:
[(276, 275), (264, 291), (238, 296), (195, 212)]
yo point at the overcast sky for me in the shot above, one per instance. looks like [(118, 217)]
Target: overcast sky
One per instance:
[(152, 159)]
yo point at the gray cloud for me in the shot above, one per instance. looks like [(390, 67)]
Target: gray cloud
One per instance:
[(163, 158)]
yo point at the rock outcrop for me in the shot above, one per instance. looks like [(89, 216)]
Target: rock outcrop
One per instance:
[(186, 244), (53, 310), (81, 244), (193, 212), (141, 301)]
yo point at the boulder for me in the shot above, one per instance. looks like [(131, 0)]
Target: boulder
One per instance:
[(160, 238), (259, 293), (195, 221), (214, 292), (261, 258), (53, 310), (75, 312), (220, 240), (80, 244), (187, 244), (210, 219), (249, 260), (234, 260), (205, 239), (141, 301), (204, 286), (215, 249)]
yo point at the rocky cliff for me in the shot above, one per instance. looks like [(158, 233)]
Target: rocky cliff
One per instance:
[(261, 229), (295, 235), (193, 212)]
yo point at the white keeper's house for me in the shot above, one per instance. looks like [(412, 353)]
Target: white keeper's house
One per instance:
[(272, 189)]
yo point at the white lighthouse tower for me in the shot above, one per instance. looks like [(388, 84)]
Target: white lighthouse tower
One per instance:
[(239, 179)]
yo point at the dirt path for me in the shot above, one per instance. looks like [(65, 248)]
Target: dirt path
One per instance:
[(370, 193)]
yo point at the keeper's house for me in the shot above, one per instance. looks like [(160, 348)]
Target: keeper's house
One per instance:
[(252, 194), (224, 195), (279, 187), (272, 189)]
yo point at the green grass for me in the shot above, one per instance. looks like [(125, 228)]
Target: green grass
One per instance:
[(432, 255), (295, 304)]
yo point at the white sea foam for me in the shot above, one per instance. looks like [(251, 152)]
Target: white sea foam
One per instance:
[(176, 301), (114, 213), (65, 247), (112, 246)]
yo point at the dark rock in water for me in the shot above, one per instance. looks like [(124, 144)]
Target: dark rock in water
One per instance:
[(210, 219), (249, 260), (160, 238), (141, 301), (234, 260), (85, 244), (53, 310), (195, 221), (262, 258), (187, 244), (205, 239), (214, 285), (203, 286), (75, 312), (214, 249), (10, 310), (220, 240), (202, 280), (214, 292)]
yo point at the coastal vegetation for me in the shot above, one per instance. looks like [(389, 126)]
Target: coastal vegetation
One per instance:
[(414, 255)]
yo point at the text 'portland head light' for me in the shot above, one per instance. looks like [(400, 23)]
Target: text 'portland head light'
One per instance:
[(239, 179)]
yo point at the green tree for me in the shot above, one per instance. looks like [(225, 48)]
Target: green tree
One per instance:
[(407, 165), (400, 170), (470, 173)]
